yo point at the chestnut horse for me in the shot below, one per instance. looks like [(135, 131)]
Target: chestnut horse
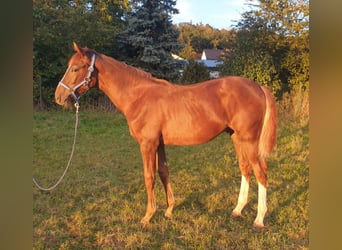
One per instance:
[(159, 113)]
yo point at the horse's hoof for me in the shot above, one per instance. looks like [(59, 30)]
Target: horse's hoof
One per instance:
[(144, 222), (235, 215), (258, 227), (168, 215)]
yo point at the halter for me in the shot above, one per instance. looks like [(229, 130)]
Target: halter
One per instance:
[(84, 82)]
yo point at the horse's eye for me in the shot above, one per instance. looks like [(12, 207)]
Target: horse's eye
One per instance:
[(75, 69)]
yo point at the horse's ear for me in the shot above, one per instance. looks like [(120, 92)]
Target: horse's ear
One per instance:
[(78, 49)]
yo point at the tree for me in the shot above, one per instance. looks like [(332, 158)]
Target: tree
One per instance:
[(194, 72), (56, 24), (188, 52), (251, 55), (150, 38), (198, 37), (271, 45)]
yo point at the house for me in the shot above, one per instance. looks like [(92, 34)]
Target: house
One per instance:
[(211, 58), (211, 54), (181, 62)]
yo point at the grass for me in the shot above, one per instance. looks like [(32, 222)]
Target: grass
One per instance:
[(100, 202)]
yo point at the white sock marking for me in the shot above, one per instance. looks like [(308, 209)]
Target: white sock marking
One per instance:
[(262, 207), (243, 196)]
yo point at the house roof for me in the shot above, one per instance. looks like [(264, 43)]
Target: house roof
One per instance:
[(211, 54), (176, 57)]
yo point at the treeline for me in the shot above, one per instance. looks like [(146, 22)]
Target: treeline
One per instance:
[(196, 37), (269, 44)]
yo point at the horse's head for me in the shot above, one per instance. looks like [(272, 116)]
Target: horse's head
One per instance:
[(78, 78)]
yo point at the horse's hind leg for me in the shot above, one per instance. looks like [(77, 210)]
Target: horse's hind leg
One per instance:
[(245, 169), (248, 157), (259, 167), (260, 171), (164, 176)]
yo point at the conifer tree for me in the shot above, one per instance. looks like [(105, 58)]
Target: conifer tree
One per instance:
[(150, 38)]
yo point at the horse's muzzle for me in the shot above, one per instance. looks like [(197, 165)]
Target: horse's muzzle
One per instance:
[(66, 102)]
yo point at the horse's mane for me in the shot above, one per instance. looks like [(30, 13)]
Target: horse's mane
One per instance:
[(137, 71), (147, 75), (132, 70)]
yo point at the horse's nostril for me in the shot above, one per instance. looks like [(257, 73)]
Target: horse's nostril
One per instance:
[(58, 99)]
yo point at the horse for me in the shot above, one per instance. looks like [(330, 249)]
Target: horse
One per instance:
[(160, 113)]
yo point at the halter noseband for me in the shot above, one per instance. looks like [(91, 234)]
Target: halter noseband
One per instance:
[(84, 82)]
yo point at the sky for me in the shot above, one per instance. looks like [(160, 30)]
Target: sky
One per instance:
[(217, 13)]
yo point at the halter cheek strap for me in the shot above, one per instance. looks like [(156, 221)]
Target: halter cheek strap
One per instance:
[(84, 82)]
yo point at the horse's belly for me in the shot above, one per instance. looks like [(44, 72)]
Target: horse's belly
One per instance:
[(191, 134)]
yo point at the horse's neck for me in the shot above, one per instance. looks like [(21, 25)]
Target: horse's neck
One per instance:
[(117, 82)]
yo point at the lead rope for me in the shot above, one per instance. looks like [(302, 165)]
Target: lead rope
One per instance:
[(77, 106)]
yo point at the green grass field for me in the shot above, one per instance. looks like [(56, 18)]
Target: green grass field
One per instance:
[(100, 202)]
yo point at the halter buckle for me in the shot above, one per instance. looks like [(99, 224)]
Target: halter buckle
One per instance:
[(77, 106)]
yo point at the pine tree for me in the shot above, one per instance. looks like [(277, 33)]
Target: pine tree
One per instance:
[(150, 37)]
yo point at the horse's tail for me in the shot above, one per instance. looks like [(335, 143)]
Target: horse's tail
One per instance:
[(268, 136)]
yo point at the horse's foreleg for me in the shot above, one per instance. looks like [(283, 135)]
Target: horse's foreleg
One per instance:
[(164, 176), (148, 152)]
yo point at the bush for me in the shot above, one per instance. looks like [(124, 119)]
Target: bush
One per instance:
[(293, 108), (194, 72)]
